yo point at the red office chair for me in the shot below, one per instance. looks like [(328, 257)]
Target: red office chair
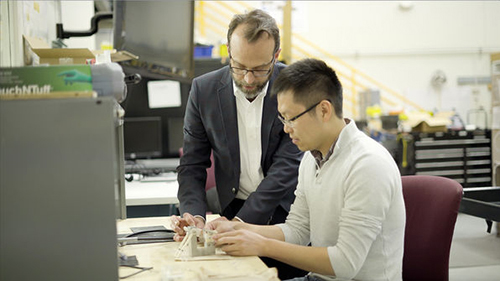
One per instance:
[(431, 212), (210, 171), (213, 204)]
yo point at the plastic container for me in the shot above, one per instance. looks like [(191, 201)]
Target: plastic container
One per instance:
[(203, 51), (108, 79)]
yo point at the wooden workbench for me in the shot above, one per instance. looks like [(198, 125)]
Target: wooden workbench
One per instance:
[(160, 256)]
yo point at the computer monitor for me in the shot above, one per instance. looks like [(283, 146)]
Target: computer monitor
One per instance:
[(142, 137), (160, 33)]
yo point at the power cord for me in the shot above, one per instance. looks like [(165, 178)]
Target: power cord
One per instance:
[(131, 262)]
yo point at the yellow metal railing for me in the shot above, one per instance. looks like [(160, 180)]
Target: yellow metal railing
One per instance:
[(214, 17)]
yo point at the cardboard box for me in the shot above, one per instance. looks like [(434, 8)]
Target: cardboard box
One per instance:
[(37, 51), (117, 56), (425, 122), (438, 123), (425, 127), (495, 56), (57, 81)]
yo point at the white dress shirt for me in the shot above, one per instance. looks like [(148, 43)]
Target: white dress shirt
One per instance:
[(249, 133)]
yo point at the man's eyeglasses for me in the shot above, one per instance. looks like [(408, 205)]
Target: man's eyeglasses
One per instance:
[(289, 122), (255, 72)]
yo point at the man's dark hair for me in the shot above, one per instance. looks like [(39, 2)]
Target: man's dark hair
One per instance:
[(310, 81), (257, 22)]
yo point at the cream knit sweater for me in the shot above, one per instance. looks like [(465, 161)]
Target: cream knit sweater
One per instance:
[(353, 205)]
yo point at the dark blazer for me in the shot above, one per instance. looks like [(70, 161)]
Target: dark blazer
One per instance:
[(210, 123)]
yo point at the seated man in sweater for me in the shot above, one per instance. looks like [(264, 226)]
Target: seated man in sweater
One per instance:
[(349, 203)]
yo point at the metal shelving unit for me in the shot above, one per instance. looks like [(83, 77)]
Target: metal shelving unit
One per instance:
[(464, 156)]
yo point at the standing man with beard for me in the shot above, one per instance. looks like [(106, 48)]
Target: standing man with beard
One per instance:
[(230, 112)]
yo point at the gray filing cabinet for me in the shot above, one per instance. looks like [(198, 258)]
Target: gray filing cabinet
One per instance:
[(61, 188)]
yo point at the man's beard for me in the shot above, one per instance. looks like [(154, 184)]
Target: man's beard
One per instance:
[(250, 94)]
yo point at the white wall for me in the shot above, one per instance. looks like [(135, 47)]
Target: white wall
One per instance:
[(402, 48), (31, 18), (75, 16), (382, 27), (38, 19)]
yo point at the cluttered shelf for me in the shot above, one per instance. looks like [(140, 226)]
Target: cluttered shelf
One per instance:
[(438, 144)]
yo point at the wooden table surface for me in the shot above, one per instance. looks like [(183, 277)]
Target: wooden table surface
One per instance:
[(161, 256)]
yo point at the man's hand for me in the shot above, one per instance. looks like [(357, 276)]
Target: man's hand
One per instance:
[(179, 223), (241, 243), (222, 224)]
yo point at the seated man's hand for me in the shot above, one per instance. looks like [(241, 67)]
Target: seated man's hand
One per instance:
[(241, 243), (222, 225), (179, 223)]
